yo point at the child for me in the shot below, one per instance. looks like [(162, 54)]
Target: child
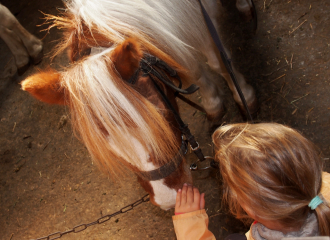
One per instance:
[(272, 175)]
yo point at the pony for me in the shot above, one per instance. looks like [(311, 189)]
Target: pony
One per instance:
[(21, 43), (124, 125)]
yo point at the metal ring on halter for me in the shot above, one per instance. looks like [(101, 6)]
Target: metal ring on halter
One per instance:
[(196, 148), (186, 143), (194, 166)]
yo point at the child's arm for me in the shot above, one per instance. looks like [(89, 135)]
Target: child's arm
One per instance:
[(191, 221)]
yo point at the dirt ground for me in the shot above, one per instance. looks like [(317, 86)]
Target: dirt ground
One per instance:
[(48, 181)]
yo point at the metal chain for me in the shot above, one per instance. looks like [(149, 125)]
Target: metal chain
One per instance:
[(103, 219)]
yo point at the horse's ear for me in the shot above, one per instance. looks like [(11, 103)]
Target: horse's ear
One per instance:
[(45, 86), (126, 57)]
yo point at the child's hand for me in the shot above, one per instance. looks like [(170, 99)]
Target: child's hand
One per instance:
[(188, 200)]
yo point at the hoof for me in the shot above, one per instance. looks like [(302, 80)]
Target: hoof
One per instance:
[(246, 16), (253, 109), (37, 59), (23, 69), (250, 16), (215, 121)]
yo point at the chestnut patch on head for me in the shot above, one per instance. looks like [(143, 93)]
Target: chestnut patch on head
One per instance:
[(126, 58)]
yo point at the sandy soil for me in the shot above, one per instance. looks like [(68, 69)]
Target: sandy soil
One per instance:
[(49, 183)]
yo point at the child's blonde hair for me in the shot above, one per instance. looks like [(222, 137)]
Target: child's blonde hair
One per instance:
[(273, 170)]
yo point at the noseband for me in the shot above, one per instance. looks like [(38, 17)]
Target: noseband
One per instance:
[(158, 71), (166, 169)]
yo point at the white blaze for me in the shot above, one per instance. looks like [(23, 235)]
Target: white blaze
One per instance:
[(164, 196)]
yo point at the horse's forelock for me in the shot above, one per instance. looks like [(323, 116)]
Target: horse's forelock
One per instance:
[(105, 109)]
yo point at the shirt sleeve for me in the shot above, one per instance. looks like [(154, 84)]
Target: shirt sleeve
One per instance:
[(192, 226)]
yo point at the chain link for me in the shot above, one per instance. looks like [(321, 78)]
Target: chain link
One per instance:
[(103, 219)]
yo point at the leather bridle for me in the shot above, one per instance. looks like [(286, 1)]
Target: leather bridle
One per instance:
[(158, 71)]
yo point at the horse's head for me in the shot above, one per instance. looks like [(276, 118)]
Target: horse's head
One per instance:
[(123, 125)]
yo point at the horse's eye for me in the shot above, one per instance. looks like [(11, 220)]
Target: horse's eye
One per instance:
[(81, 54), (85, 52)]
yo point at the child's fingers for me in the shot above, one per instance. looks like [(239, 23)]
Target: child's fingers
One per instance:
[(190, 194), (202, 201), (196, 195), (178, 199)]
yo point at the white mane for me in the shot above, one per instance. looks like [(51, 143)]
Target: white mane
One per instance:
[(176, 25)]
